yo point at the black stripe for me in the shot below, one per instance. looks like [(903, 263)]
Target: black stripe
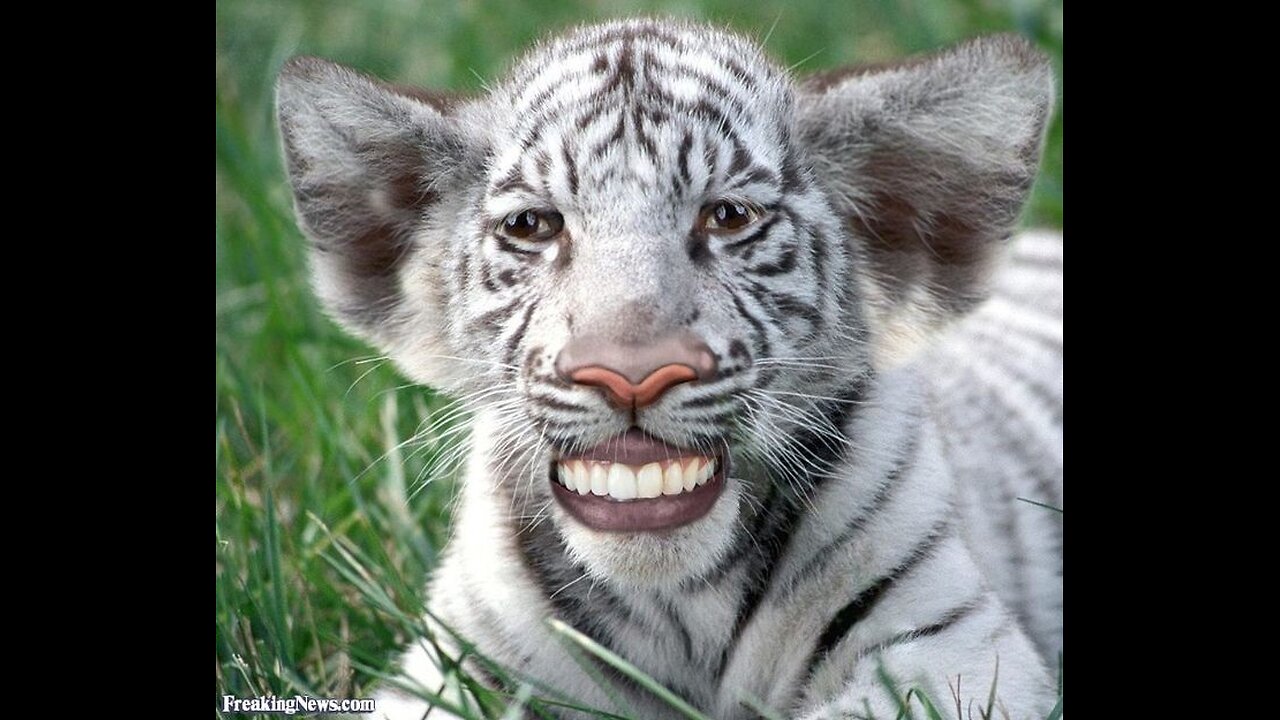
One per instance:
[(762, 335), (510, 277), (758, 174), (546, 93), (759, 232), (597, 150), (486, 276), (626, 34), (741, 158), (883, 495), (739, 72), (944, 623), (710, 113), (698, 246), (742, 542), (861, 605), (1007, 521), (819, 245), (1010, 524), (1035, 464), (779, 524), (686, 144), (542, 163), (552, 403), (794, 178), (593, 610), (707, 400), (493, 319), (714, 87), (571, 167), (590, 609), (561, 435), (785, 507), (718, 419), (1013, 436), (657, 116), (513, 342), (783, 307), (647, 145), (589, 116), (513, 180), (777, 266), (1050, 345), (673, 73), (673, 617), (1009, 362), (622, 74), (837, 413)]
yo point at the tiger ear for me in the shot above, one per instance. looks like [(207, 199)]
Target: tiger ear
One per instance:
[(929, 163), (366, 161)]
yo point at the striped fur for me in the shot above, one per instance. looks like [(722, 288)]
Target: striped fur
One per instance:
[(882, 420)]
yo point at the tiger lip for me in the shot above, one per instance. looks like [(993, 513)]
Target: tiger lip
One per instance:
[(637, 483)]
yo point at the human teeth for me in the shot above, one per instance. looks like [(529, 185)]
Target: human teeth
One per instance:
[(672, 480), (622, 482), (599, 483), (690, 476), (629, 482), (649, 481), (708, 469)]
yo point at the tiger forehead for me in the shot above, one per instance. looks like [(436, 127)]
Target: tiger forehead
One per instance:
[(660, 72), (640, 110), (638, 56)]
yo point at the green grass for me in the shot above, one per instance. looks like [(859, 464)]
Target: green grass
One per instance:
[(322, 545)]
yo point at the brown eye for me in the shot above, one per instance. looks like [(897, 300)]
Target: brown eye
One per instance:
[(728, 216), (532, 225)]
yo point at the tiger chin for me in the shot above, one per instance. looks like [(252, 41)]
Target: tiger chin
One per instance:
[(756, 364)]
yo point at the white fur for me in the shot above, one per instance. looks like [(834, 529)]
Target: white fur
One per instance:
[(891, 195)]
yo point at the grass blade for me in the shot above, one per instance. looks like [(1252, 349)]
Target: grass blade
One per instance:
[(627, 669)]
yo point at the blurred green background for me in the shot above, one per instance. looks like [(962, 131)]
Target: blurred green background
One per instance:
[(325, 526)]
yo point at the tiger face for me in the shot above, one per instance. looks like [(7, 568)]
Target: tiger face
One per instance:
[(658, 269)]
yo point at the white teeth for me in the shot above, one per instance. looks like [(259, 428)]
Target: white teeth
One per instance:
[(622, 482), (649, 481), (627, 482), (672, 480), (708, 469), (599, 479), (690, 476)]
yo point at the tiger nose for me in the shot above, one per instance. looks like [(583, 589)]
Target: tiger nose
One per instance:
[(636, 375)]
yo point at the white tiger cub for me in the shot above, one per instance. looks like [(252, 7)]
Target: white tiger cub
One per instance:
[(684, 296)]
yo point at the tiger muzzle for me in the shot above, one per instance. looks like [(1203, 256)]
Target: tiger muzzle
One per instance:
[(633, 376)]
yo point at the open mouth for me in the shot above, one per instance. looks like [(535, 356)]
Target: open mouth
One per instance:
[(637, 483)]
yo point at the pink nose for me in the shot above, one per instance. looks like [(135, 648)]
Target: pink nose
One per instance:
[(634, 376)]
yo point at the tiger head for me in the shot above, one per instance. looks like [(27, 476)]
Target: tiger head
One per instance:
[(659, 269)]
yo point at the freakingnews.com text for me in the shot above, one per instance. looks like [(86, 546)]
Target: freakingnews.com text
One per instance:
[(296, 704)]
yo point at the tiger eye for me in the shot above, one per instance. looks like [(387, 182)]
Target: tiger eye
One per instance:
[(728, 216), (532, 225)]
